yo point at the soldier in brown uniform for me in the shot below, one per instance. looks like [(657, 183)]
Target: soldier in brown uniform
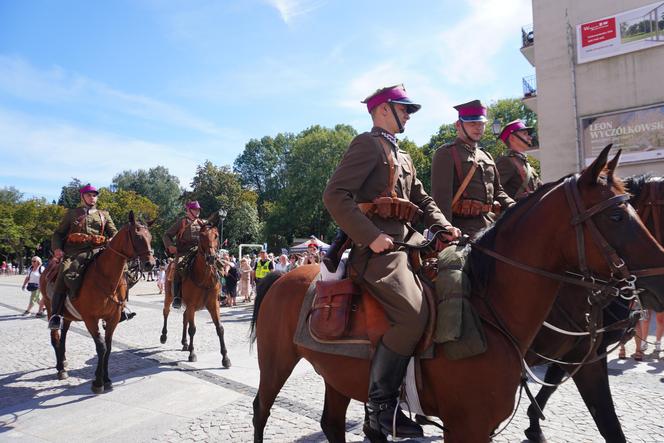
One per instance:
[(517, 176), (81, 233), (464, 180), (374, 195), (179, 239)]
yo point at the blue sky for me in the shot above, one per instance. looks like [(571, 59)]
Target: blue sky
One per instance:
[(89, 89)]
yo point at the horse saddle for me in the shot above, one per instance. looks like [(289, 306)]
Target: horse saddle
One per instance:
[(344, 312)]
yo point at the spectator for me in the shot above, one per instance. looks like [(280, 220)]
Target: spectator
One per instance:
[(282, 264), (293, 261), (161, 278), (31, 283), (311, 257), (245, 279), (231, 276)]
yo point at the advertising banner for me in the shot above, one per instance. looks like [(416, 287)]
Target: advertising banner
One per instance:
[(638, 132), (628, 31)]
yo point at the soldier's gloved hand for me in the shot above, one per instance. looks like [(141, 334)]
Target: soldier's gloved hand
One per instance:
[(445, 239), (382, 243), (172, 249)]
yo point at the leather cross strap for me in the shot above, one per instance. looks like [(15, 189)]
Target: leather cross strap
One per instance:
[(463, 181), (524, 173), (392, 172)]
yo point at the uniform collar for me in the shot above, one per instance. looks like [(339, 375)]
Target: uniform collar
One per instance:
[(387, 135), (459, 141), (518, 154)]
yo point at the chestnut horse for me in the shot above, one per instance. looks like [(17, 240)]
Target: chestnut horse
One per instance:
[(569, 313), (200, 289), (102, 296), (514, 287)]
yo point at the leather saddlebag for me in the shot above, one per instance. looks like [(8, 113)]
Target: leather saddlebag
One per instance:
[(330, 313)]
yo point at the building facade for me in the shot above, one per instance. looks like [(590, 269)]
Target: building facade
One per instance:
[(599, 79)]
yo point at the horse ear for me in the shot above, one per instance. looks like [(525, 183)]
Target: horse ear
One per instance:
[(613, 164), (592, 172), (132, 219)]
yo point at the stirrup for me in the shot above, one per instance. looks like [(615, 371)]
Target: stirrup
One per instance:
[(177, 303), (52, 321)]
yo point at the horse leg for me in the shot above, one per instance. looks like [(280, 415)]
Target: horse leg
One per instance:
[(333, 420), (191, 314), (276, 364), (185, 343), (592, 381), (554, 375), (213, 309), (100, 345), (108, 338), (164, 329), (61, 350)]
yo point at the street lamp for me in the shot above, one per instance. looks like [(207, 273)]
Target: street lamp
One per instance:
[(495, 127), (222, 216)]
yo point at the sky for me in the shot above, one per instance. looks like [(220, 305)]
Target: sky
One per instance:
[(90, 89)]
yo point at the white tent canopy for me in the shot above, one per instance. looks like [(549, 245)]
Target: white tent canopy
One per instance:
[(303, 246)]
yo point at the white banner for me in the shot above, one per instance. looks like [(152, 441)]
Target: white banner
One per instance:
[(628, 31)]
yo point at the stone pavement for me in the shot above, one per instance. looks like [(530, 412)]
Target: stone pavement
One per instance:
[(158, 396)]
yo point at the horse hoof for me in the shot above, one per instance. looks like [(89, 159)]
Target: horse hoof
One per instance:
[(226, 362), (162, 339), (193, 358), (535, 436), (97, 389), (108, 386), (62, 375)]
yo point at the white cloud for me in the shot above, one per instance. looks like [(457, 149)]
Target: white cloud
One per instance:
[(57, 86), (49, 153), (290, 9), (467, 50)]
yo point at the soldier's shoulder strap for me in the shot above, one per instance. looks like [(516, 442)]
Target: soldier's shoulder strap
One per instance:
[(183, 226), (463, 182)]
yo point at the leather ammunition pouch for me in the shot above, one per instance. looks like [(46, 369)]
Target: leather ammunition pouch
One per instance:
[(330, 313), (391, 208), (466, 207), (79, 238)]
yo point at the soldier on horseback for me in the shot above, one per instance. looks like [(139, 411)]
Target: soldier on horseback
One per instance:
[(374, 195), (181, 239), (517, 176), (81, 234)]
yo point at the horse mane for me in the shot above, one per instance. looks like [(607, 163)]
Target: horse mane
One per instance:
[(261, 290), (481, 265), (636, 184)]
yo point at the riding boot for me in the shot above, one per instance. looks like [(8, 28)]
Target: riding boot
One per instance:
[(387, 372), (126, 315), (177, 293), (57, 304)]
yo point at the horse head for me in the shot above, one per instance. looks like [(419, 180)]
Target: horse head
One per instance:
[(208, 243), (617, 244), (139, 244)]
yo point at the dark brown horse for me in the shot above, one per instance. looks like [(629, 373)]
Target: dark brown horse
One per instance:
[(102, 296), (569, 314), (473, 396), (200, 289)]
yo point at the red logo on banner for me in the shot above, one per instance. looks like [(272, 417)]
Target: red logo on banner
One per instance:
[(598, 31)]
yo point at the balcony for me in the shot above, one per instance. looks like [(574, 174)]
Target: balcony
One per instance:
[(528, 43), (530, 92)]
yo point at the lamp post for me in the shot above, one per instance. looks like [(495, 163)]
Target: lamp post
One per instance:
[(222, 216), (495, 127)]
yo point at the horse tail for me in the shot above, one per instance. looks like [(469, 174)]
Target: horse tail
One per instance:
[(261, 290)]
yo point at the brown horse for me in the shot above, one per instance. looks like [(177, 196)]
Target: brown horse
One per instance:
[(473, 396), (200, 289), (569, 313), (102, 296)]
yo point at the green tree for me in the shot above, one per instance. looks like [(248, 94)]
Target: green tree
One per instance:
[(69, 195), (217, 187), (120, 203), (298, 210), (262, 165), (10, 195)]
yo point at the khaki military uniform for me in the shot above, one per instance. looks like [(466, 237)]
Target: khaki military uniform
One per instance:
[(517, 177), (483, 189), (184, 235), (362, 176), (80, 220)]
